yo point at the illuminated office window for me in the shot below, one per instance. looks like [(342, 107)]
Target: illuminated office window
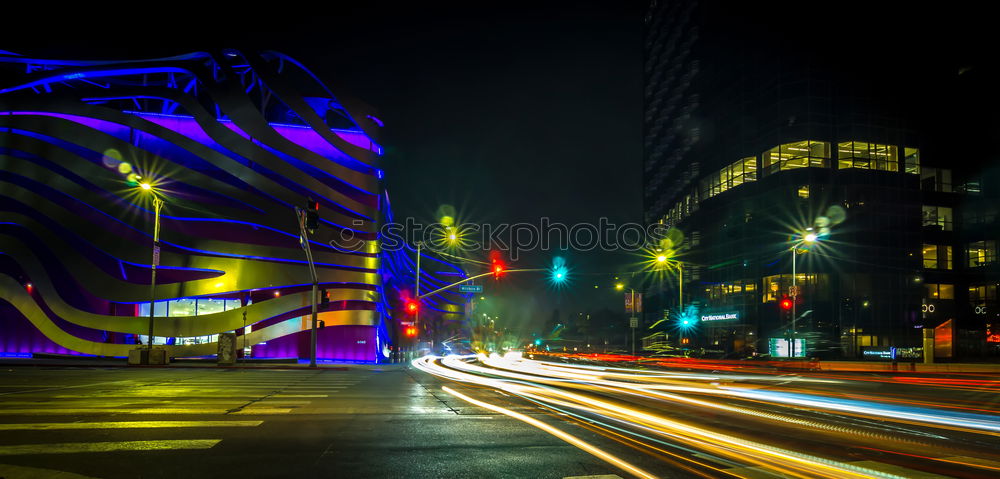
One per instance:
[(776, 286), (911, 160), (940, 291), (980, 293), (937, 217), (981, 253), (799, 154), (870, 156), (937, 256), (731, 176)]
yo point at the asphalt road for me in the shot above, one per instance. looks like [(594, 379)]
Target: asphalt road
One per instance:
[(705, 422), (392, 421)]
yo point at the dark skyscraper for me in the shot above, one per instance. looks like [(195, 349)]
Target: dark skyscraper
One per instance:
[(763, 127)]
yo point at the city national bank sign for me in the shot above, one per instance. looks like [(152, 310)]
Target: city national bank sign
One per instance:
[(721, 316)]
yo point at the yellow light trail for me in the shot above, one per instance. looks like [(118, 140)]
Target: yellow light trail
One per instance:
[(770, 457), (593, 450)]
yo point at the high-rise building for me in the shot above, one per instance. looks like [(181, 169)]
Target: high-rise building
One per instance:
[(762, 128)]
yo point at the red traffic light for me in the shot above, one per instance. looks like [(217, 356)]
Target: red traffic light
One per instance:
[(786, 304), (498, 269), (410, 331), (412, 307)]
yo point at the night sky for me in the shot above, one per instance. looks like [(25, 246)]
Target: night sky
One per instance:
[(512, 114)]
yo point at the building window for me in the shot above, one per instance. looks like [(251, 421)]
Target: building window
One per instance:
[(937, 256), (940, 291), (981, 253), (776, 287), (869, 156), (981, 293), (800, 154), (731, 176), (935, 179), (981, 214), (188, 307), (937, 217), (911, 160), (804, 191), (972, 187)]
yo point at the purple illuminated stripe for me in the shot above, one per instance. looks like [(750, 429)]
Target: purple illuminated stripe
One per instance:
[(333, 343), (122, 132), (301, 135)]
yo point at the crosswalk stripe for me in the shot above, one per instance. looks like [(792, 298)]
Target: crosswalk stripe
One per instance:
[(262, 410), (11, 471), (78, 447), (47, 426), (205, 396), (56, 411)]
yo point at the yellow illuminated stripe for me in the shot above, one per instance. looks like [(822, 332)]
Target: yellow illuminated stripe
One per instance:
[(262, 410), (78, 447), (609, 458), (44, 426), (50, 411)]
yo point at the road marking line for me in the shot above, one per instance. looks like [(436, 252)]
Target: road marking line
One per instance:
[(88, 447), (45, 426), (49, 411), (301, 395), (11, 471), (263, 410)]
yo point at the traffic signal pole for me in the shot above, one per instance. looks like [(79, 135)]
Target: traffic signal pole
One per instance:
[(471, 278), (795, 291), (304, 242)]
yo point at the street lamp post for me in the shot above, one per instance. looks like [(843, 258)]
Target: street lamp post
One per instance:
[(157, 205), (416, 315), (808, 238)]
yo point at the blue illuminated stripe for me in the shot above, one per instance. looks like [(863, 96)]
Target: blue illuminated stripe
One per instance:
[(94, 74)]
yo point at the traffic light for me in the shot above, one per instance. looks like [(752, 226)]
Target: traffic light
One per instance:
[(312, 215), (785, 304), (412, 306), (410, 331), (498, 269), (559, 274), (324, 296)]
